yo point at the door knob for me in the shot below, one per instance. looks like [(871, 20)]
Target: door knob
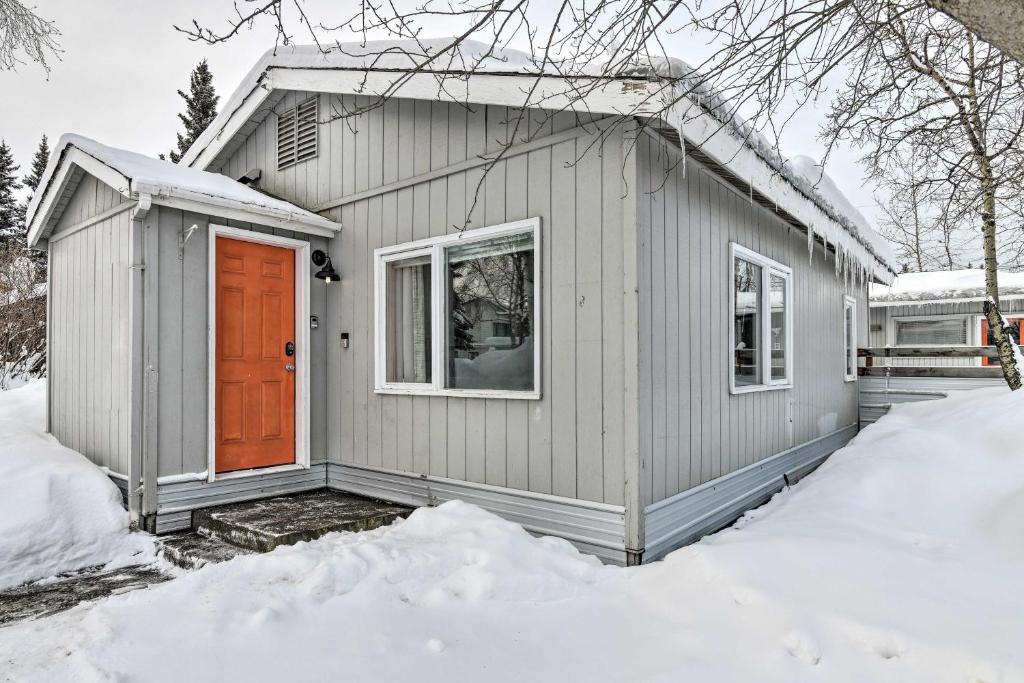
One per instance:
[(290, 367)]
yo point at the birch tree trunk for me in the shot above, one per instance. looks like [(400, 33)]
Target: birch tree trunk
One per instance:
[(1004, 342)]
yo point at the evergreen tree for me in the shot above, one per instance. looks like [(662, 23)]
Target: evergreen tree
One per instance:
[(200, 109), (42, 156), (12, 213)]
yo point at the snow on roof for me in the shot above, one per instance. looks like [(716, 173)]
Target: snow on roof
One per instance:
[(945, 284), (146, 175), (472, 56)]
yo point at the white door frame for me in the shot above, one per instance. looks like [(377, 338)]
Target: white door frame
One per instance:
[(302, 429)]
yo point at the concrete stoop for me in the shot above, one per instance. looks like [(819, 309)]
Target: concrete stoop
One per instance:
[(223, 532)]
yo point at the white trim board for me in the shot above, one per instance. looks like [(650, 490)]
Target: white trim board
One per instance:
[(850, 353), (302, 346), (932, 302)]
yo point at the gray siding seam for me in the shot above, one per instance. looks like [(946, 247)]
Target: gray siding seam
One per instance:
[(696, 512), (89, 222), (597, 525), (467, 165)]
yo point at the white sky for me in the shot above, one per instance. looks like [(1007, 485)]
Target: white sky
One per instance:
[(123, 62)]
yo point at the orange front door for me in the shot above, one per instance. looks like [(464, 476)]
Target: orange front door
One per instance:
[(255, 391)]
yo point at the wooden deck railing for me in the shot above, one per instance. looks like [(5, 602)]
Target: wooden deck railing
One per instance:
[(972, 372)]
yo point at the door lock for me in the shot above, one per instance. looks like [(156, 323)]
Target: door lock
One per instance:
[(289, 349), (290, 367)]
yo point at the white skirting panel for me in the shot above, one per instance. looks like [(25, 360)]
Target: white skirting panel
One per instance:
[(878, 394), (595, 528), (696, 512), (182, 497)]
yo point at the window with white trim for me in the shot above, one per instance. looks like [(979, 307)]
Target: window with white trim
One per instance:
[(948, 331), (459, 314), (761, 330), (850, 338)]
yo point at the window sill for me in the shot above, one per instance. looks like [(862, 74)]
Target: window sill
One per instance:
[(755, 388), (460, 393), (850, 379)]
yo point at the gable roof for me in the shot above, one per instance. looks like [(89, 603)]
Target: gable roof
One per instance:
[(480, 74), (135, 175), (944, 285)]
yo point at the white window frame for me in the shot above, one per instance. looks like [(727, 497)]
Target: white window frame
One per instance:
[(895, 321), (769, 267), (435, 247), (850, 354)]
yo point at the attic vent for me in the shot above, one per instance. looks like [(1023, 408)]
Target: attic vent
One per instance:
[(296, 134)]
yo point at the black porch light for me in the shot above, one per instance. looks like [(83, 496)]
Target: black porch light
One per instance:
[(326, 272)]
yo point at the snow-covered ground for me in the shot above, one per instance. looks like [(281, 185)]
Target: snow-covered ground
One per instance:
[(58, 511), (900, 559)]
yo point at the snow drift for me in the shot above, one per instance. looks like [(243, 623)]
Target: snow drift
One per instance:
[(58, 511), (898, 560)]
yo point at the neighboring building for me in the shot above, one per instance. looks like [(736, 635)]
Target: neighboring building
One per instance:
[(635, 338), (941, 308)]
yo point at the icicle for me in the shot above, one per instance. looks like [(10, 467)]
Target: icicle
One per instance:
[(810, 244)]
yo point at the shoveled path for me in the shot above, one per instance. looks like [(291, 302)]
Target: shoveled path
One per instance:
[(218, 534), (64, 591)]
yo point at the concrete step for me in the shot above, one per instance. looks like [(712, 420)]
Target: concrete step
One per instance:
[(262, 525), (191, 550)]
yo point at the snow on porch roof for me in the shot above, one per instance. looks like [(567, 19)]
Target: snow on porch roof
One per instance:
[(135, 175), (367, 68), (944, 285)]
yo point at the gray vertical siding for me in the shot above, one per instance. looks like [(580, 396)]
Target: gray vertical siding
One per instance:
[(89, 328), (692, 429), (91, 198), (180, 307), (568, 443)]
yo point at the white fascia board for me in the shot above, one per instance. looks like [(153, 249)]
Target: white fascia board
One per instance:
[(205, 149), (719, 142), (890, 303), (43, 204), (233, 210), (614, 96)]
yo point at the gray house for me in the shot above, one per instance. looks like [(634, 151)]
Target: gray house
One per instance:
[(940, 308), (623, 330)]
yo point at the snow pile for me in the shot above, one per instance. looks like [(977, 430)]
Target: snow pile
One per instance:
[(898, 560), (945, 284), (58, 511)]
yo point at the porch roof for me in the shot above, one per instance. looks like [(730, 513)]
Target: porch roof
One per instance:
[(141, 178)]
